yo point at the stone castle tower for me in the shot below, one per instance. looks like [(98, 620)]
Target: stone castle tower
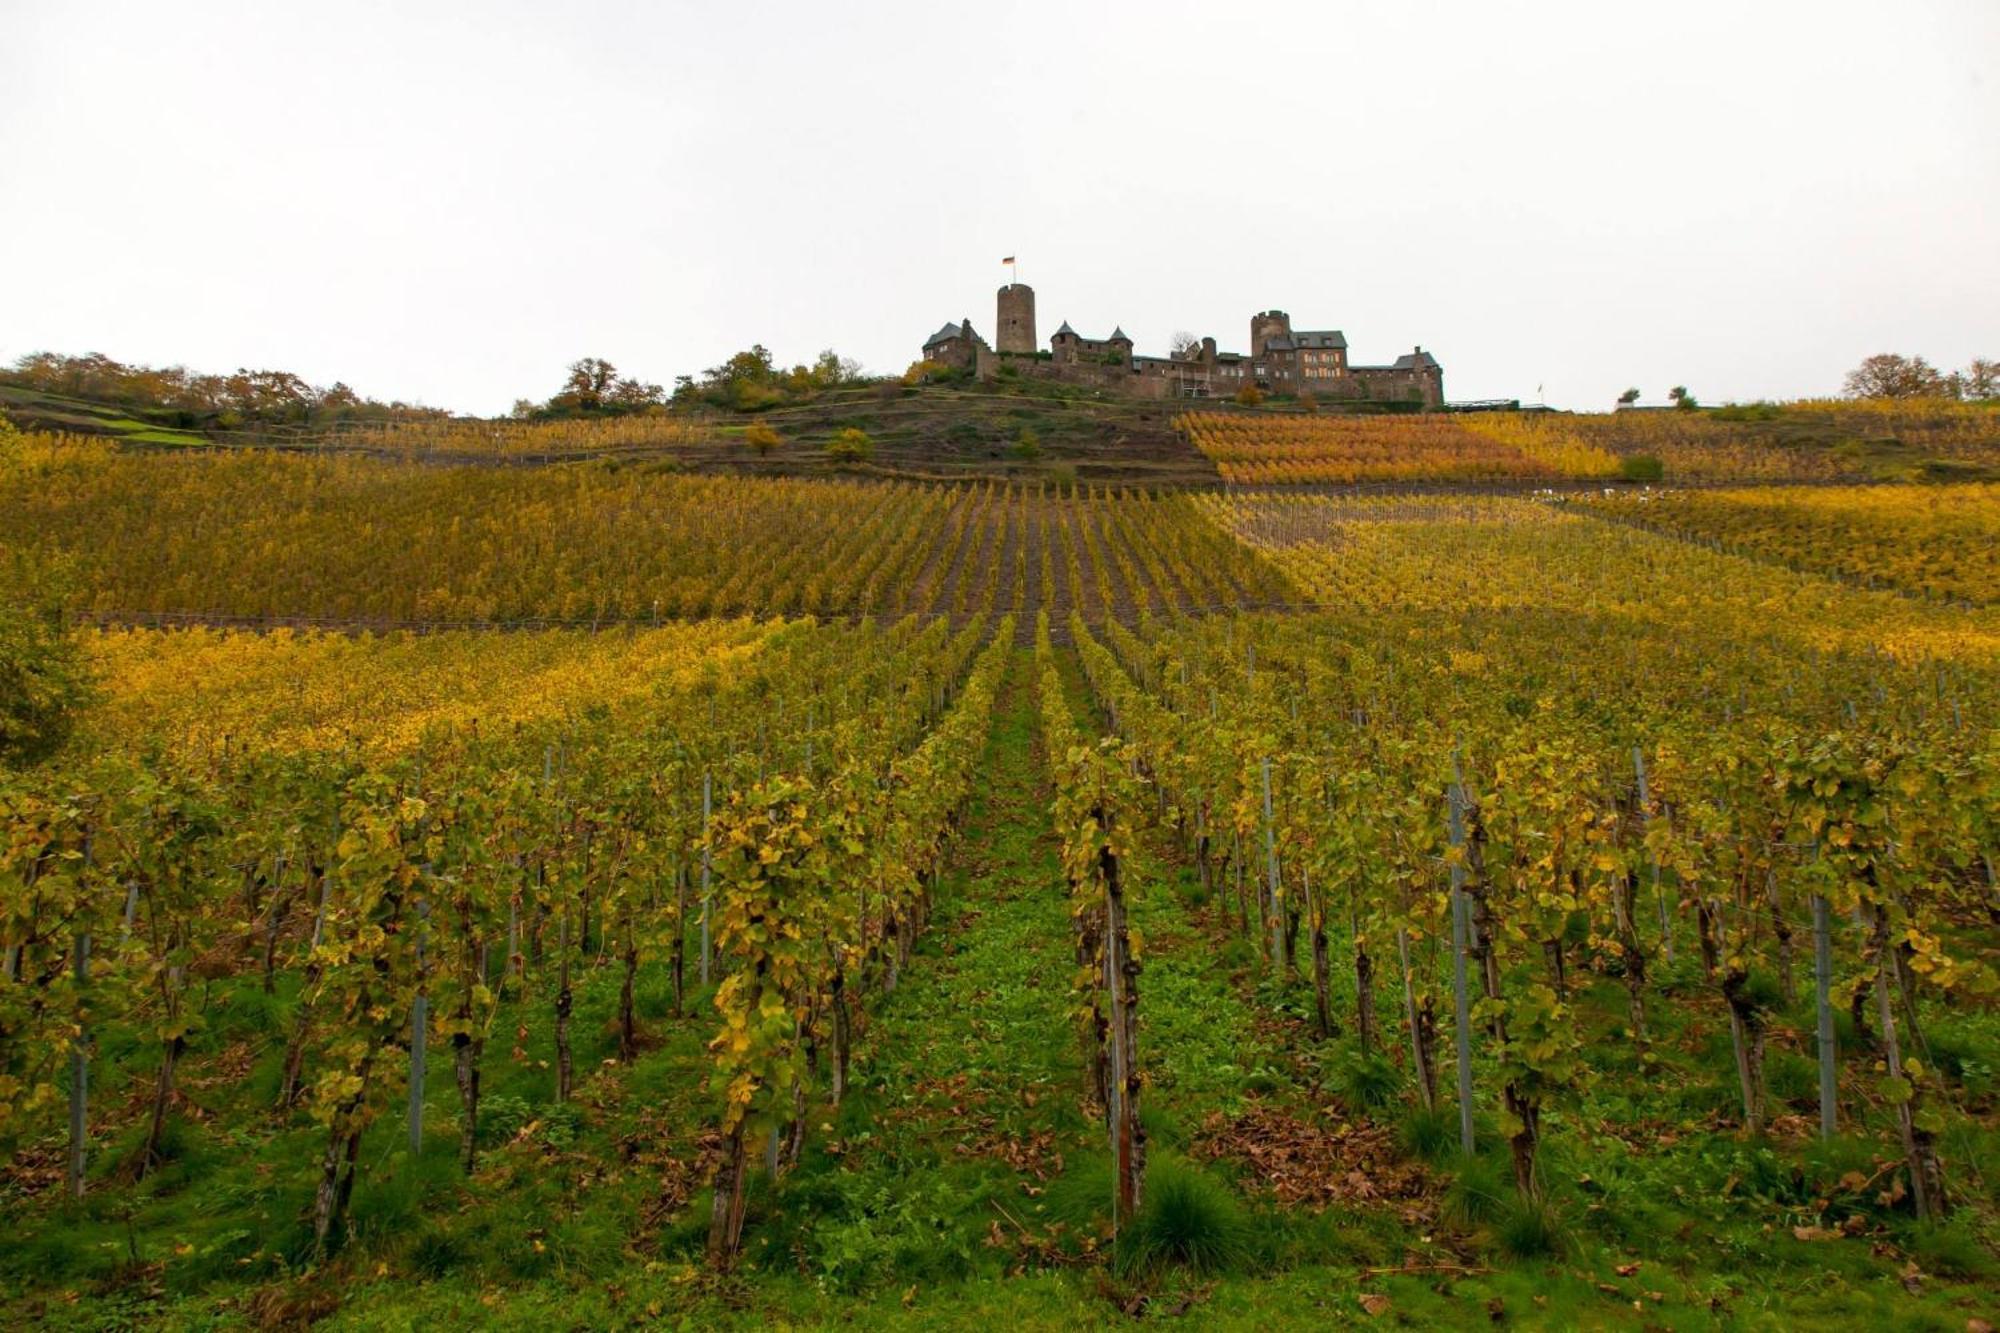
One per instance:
[(1016, 322), (1267, 327)]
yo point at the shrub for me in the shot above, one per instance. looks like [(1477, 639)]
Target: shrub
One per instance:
[(1027, 444), (1368, 1082), (761, 437), (1478, 1193), (1430, 1134), (849, 446), (1530, 1229), (1249, 396), (1642, 467), (1189, 1218)]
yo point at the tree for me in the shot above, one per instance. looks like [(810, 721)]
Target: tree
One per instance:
[(1629, 397), (1184, 346), (1682, 398), (1249, 396), (761, 437), (850, 445), (1888, 375), (1982, 380), (589, 381)]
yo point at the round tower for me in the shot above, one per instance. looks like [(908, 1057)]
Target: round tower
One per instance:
[(1016, 322), (1267, 325)]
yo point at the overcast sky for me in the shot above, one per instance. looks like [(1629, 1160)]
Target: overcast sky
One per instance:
[(447, 203)]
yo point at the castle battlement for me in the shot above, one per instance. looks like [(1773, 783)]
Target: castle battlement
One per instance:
[(1281, 359)]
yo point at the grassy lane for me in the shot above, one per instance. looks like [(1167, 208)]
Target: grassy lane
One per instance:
[(937, 1188)]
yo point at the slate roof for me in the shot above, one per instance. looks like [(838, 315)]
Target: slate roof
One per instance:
[(1118, 336), (945, 334), (1066, 329), (1414, 360), (1320, 338)]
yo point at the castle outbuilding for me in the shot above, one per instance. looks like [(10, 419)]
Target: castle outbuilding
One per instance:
[(1281, 360)]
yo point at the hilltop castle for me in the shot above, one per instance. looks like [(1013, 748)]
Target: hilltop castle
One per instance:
[(1280, 360)]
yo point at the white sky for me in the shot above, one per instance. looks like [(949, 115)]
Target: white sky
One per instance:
[(447, 203)]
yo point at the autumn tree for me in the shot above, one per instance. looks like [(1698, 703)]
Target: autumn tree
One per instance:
[(850, 445), (1629, 397), (1888, 375), (595, 386)]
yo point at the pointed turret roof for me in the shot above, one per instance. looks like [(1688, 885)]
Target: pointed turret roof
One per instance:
[(1065, 329), (1118, 336)]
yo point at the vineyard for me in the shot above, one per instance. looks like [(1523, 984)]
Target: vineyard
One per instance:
[(259, 536), (595, 895), (1941, 542), (1804, 442)]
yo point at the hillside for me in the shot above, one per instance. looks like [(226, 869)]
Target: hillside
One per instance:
[(34, 410), (925, 432)]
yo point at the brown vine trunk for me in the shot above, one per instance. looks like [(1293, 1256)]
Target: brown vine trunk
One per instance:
[(1130, 1136), (295, 1045), (468, 1051), (725, 1223), (163, 1092), (677, 963), (1927, 1191), (1525, 1140), (1704, 921), (842, 1034), (1781, 935), (1423, 1046), (564, 1003), (343, 1150), (1422, 1020), (1322, 980), (1089, 940), (1746, 1031), (1633, 957), (1364, 997), (628, 1018)]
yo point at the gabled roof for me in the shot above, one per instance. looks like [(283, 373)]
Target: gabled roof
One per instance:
[(945, 334), (1320, 338), (1418, 359), (1278, 345)]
